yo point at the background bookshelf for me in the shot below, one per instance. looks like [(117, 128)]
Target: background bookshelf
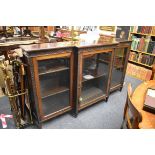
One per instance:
[(142, 53), (139, 72)]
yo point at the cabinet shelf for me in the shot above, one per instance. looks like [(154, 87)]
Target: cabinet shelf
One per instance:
[(116, 78), (105, 61), (140, 63), (95, 77), (52, 70), (55, 91), (143, 34), (56, 103), (119, 56), (89, 94), (100, 71), (143, 52), (116, 66)]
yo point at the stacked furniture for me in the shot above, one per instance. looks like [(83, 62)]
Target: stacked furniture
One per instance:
[(70, 76)]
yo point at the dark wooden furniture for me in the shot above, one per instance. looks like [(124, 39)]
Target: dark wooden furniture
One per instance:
[(50, 74), (121, 56), (120, 64), (138, 99), (93, 66), (153, 72), (132, 116), (14, 43), (5, 49), (70, 76)]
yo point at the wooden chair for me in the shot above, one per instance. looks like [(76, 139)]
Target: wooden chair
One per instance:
[(153, 72), (131, 115)]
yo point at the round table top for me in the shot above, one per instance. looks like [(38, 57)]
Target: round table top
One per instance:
[(138, 99)]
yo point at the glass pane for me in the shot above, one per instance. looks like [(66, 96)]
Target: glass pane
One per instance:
[(118, 68), (55, 102), (95, 76), (54, 76), (53, 65)]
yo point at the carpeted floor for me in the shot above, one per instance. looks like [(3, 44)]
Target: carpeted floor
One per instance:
[(103, 115)]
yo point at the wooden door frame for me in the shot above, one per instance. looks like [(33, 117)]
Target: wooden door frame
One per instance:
[(37, 81), (80, 69), (126, 56)]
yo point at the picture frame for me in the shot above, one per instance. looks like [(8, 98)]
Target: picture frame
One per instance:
[(107, 28)]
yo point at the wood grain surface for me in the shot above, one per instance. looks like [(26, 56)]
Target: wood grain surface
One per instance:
[(138, 98)]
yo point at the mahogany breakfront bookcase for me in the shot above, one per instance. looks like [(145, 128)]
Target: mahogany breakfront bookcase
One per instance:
[(70, 76)]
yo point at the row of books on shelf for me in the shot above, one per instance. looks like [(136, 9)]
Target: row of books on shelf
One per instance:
[(143, 44), (143, 29), (142, 58), (138, 72)]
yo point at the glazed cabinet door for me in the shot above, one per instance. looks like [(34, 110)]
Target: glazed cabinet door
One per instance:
[(119, 67), (54, 85), (94, 77)]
